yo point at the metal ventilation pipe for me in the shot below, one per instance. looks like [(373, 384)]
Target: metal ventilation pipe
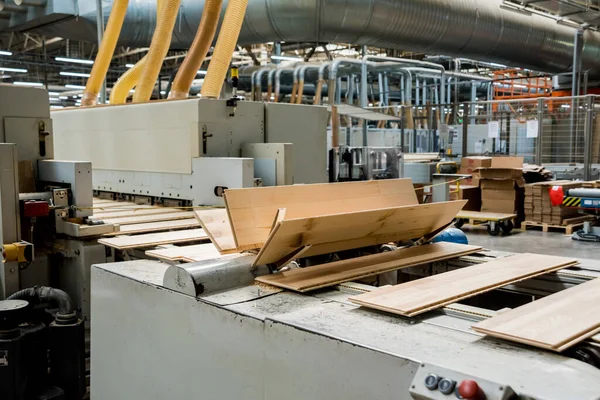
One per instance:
[(5, 6), (31, 3), (477, 29)]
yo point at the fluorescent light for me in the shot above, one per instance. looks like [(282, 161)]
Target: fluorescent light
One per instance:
[(565, 106), (202, 72), (63, 97), (57, 107), (74, 60), (13, 69), (5, 53), (78, 74), (73, 97), (285, 58), (53, 94), (520, 86), (75, 87), (130, 65), (163, 92), (28, 83)]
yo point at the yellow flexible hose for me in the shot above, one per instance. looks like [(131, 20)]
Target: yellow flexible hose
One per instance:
[(318, 92), (294, 92), (105, 52), (228, 36), (161, 40), (269, 92), (129, 80), (300, 93), (195, 57)]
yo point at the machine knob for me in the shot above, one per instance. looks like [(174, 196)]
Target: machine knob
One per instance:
[(470, 390), (446, 386), (431, 381)]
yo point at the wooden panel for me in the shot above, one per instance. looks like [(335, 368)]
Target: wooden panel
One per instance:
[(320, 276), (484, 216), (197, 252), (136, 212), (330, 233), (555, 322), (138, 219), (102, 201), (435, 291), (154, 239), (156, 227), (216, 225), (251, 211), (113, 204)]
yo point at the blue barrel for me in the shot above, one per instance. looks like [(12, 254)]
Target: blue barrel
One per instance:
[(452, 235)]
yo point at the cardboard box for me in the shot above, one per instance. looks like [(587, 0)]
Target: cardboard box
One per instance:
[(473, 195), (503, 196), (500, 173), (476, 162), (507, 162), (474, 181)]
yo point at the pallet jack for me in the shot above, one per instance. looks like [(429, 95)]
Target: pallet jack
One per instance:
[(587, 200)]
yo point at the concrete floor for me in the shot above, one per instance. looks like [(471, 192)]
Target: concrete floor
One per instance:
[(533, 241)]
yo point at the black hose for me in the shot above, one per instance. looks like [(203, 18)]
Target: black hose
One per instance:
[(45, 294)]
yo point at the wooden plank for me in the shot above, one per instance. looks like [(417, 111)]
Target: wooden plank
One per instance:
[(113, 204), (154, 239), (251, 211), (98, 211), (139, 219), (555, 322), (197, 252), (136, 212), (320, 276), (102, 201), (216, 225), (416, 297), (485, 216), (156, 227), (331, 233)]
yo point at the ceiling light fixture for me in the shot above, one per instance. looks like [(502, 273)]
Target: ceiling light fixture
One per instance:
[(286, 58), (75, 87), (5, 53), (74, 60), (13, 69), (77, 74), (28, 83)]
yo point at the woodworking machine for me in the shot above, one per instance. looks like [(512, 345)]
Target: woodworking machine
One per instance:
[(240, 340), (44, 203), (587, 200)]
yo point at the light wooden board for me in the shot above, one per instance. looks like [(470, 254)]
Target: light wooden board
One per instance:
[(156, 227), (102, 201), (320, 276), (136, 212), (425, 294), (197, 252), (98, 211), (251, 211), (140, 219), (216, 225), (484, 216), (331, 233), (113, 204), (555, 322), (154, 239)]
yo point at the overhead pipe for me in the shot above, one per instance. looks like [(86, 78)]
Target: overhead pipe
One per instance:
[(158, 50), (321, 82), (12, 8), (270, 77), (105, 53), (228, 37), (277, 78), (257, 81), (31, 3), (301, 80), (197, 53)]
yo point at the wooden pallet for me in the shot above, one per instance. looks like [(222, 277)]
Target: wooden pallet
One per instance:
[(568, 229)]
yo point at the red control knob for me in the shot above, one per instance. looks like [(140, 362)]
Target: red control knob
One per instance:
[(470, 390)]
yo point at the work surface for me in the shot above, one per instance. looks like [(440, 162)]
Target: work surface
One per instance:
[(393, 341)]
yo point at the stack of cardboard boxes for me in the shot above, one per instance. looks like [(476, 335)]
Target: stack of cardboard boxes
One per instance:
[(539, 209)]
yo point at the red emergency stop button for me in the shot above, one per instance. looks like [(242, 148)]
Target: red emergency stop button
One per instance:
[(470, 390)]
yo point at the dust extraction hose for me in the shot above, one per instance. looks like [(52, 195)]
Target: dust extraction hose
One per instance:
[(195, 57), (46, 294), (129, 80), (105, 52), (161, 40), (228, 36)]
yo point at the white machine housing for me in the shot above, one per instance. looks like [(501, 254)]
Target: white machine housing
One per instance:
[(184, 150)]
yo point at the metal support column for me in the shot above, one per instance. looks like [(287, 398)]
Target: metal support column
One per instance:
[(277, 51), (473, 101), (364, 96), (465, 132), (540, 138), (588, 134), (575, 90), (100, 29)]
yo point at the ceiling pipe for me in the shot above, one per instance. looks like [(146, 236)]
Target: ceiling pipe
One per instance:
[(4, 6), (31, 3)]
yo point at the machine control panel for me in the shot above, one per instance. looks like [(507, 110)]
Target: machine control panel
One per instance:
[(436, 383)]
